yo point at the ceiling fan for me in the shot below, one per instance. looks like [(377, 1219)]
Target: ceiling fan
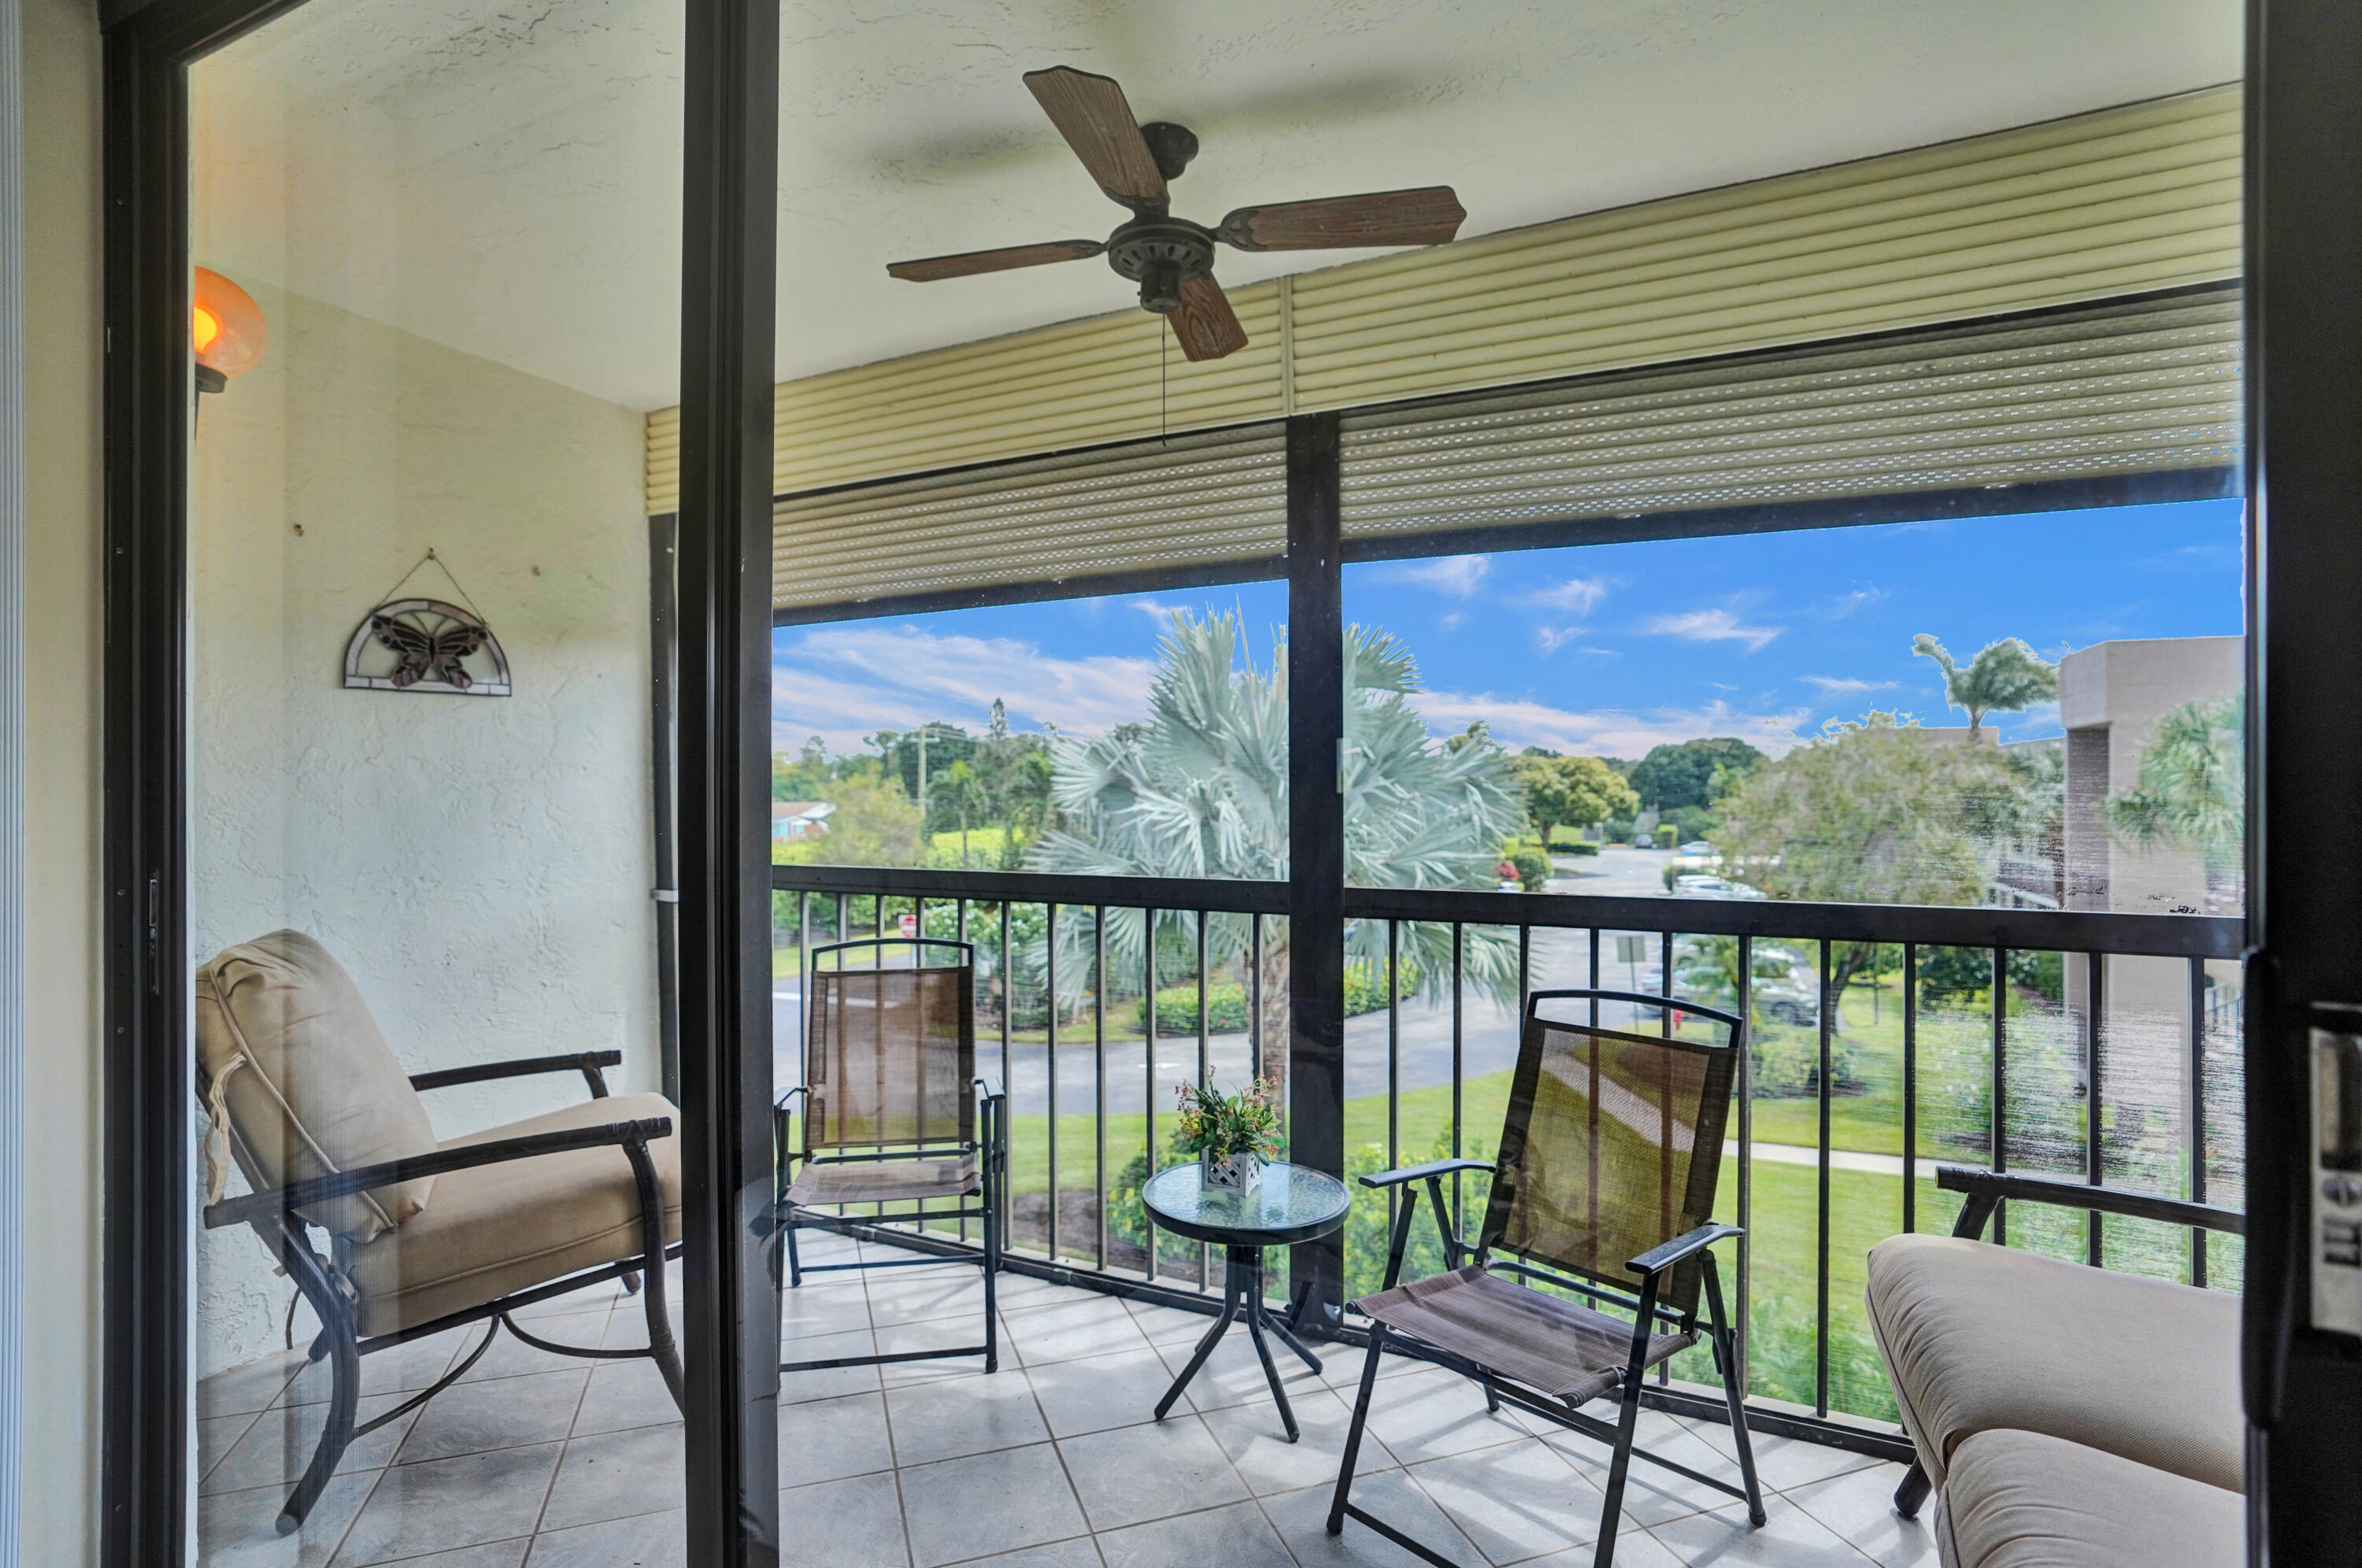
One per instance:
[(1170, 258)]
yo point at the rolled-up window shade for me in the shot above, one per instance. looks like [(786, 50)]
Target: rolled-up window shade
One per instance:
[(1193, 503), (2141, 387)]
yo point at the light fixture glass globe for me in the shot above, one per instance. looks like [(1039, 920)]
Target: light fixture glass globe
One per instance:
[(227, 331)]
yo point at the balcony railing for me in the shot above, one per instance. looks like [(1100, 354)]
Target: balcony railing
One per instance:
[(1991, 1037)]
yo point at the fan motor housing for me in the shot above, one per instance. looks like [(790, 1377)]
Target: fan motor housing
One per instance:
[(1158, 253)]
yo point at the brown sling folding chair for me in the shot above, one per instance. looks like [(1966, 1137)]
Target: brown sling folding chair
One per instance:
[(893, 1113), (1603, 1191)]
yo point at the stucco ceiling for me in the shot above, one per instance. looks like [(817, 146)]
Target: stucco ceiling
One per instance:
[(502, 175)]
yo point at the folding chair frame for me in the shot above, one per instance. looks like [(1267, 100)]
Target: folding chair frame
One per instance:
[(1652, 1266), (991, 1142)]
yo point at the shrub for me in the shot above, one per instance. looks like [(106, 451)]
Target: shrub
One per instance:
[(1533, 866), (1579, 847)]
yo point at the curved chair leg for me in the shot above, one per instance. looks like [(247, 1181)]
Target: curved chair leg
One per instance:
[(343, 1351), (652, 1251)]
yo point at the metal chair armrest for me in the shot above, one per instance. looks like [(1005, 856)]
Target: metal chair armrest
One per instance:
[(1984, 1189), (587, 1062), (1420, 1172), (275, 1202), (781, 1103), (1658, 1259), (991, 1088)]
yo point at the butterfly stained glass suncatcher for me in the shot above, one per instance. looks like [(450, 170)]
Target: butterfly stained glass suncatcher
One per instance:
[(425, 644)]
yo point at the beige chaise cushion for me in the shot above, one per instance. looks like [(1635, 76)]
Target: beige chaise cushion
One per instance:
[(312, 1087), (2022, 1500), (1977, 1337), (498, 1228)]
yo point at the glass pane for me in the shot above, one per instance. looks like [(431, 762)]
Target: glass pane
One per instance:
[(1763, 716), (420, 781), (1060, 737)]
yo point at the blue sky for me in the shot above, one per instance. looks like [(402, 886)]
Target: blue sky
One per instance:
[(1608, 649)]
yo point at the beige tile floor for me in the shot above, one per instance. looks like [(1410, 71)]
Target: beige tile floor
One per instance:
[(536, 1462)]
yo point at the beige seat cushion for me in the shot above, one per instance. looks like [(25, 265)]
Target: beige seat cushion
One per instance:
[(2022, 1500), (498, 1228), (1977, 1337), (312, 1088)]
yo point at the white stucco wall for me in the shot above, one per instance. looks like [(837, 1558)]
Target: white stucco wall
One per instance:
[(481, 865)]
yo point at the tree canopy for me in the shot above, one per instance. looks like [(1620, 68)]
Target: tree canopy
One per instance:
[(1683, 775), (1572, 791), (1880, 813), (2006, 677), (1201, 789)]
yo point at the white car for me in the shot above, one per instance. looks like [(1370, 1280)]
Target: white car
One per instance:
[(1704, 887), (1697, 846)]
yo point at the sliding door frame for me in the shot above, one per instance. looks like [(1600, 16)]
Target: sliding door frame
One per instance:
[(729, 1312)]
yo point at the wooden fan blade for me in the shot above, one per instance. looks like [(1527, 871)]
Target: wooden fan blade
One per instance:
[(1428, 216), (1206, 324), (1090, 113), (967, 263)]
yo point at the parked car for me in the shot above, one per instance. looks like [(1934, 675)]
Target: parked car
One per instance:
[(1697, 846), (1700, 886)]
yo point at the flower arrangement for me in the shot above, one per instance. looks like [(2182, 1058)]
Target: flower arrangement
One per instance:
[(1232, 1135)]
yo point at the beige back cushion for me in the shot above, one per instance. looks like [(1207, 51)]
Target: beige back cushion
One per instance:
[(312, 1088)]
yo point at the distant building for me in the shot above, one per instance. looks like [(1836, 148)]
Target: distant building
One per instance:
[(2111, 696), (800, 819)]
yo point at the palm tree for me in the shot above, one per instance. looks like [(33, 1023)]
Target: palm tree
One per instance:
[(2006, 677), (2192, 789), (958, 788), (1201, 789)]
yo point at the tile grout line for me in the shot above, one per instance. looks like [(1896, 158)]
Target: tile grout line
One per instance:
[(886, 1415)]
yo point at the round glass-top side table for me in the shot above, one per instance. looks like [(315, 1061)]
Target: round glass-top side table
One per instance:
[(1291, 1203)]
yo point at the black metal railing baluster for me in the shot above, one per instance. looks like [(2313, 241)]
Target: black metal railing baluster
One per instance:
[(1746, 1075), (1458, 1072), (1099, 1084), (1050, 1066), (1828, 1011), (2095, 1104), (1148, 1059), (1205, 1076), (2194, 1138), (959, 932), (1393, 1061), (1910, 1086), (1998, 1114)]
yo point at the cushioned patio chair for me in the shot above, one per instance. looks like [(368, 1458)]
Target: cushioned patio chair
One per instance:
[(1604, 1190), (422, 1235), (893, 1113)]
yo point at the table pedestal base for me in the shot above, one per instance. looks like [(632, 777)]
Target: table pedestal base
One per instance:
[(1243, 1297)]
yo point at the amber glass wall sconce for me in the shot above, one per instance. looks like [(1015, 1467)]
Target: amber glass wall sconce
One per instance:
[(227, 332)]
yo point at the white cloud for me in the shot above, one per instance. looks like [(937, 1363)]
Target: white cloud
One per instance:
[(1712, 626), (1455, 575), (1576, 595), (1611, 732), (841, 683), (1845, 604), (1846, 685), (1549, 639)]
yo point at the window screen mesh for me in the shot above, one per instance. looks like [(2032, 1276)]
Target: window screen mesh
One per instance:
[(2124, 389), (1189, 500)]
